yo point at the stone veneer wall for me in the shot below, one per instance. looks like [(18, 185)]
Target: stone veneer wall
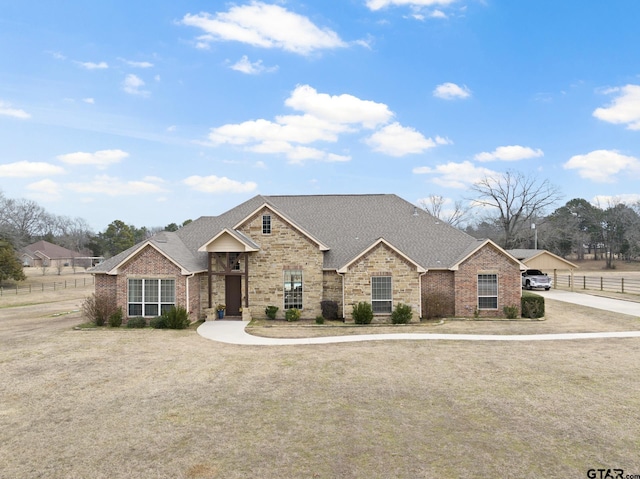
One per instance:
[(149, 263), (382, 261), (285, 248), (439, 286), (488, 260), (332, 289)]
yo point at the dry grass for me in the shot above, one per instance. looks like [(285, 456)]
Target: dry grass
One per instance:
[(169, 404)]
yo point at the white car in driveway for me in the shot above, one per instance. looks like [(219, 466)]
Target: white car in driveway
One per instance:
[(534, 278)]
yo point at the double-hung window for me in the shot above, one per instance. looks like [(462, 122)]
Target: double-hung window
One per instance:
[(150, 297), (487, 291), (381, 294), (292, 289)]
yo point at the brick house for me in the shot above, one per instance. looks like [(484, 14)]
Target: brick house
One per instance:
[(296, 251)]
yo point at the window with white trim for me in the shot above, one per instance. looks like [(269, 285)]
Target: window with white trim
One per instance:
[(293, 289), (150, 297), (266, 224), (487, 291), (381, 294)]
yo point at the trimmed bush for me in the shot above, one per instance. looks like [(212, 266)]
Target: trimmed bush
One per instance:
[(136, 322), (176, 317), (271, 311), (115, 320), (511, 312), (362, 313), (158, 323), (98, 309), (401, 314), (329, 309), (292, 314), (319, 320), (532, 305)]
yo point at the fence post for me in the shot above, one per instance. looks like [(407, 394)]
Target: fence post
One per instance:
[(601, 283), (584, 282), (622, 284)]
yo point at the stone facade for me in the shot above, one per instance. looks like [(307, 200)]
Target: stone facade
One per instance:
[(382, 261), (285, 248), (488, 260)]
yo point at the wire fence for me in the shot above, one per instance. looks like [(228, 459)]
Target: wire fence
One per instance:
[(48, 286), (611, 284)]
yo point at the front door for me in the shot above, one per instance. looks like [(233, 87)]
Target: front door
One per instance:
[(233, 294)]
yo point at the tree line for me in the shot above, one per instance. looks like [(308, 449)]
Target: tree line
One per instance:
[(511, 209)]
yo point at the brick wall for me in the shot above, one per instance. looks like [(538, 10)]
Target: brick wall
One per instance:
[(285, 248), (148, 263), (488, 260), (332, 289), (382, 261), (438, 293)]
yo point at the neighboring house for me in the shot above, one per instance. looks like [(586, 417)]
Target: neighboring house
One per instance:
[(45, 254), (296, 251)]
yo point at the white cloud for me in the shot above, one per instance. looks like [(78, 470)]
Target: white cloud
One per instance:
[(379, 4), (28, 169), (454, 175), (603, 165), (266, 26), (93, 66), (45, 189), (398, 140), (509, 153), (112, 186), (135, 64), (216, 184), (324, 118), (7, 110), (339, 108), (251, 68), (451, 91), (102, 158), (90, 101), (627, 199), (132, 84), (625, 108)]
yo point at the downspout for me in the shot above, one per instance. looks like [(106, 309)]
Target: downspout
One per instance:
[(344, 306), (187, 292), (420, 305)]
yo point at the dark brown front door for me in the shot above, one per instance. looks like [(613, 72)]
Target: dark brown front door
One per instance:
[(233, 295)]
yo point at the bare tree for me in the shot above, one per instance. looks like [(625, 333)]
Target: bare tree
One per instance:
[(517, 198), (436, 205)]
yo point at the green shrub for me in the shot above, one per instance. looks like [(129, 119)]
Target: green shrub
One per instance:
[(532, 305), (97, 309), (136, 322), (158, 323), (319, 320), (362, 313), (271, 311), (401, 314), (115, 319), (176, 317), (329, 309), (292, 314), (511, 312)]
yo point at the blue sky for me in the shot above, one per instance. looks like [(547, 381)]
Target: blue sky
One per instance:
[(156, 112)]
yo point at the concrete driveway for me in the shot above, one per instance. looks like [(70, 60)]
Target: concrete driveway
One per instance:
[(608, 304)]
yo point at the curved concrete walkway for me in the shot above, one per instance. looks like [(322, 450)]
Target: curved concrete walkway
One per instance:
[(232, 332)]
